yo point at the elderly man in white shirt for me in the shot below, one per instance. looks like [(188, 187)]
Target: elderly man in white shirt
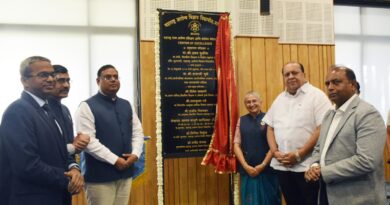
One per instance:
[(293, 122)]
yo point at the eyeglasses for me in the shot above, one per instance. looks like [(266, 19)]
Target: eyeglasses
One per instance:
[(63, 80), (110, 77), (43, 75)]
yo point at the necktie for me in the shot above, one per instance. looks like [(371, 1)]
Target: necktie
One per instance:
[(47, 110), (49, 113)]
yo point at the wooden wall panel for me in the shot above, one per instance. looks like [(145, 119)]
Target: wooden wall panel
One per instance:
[(314, 76), (258, 64), (201, 182), (286, 53), (223, 184), (176, 180), (259, 80), (321, 72), (274, 61), (169, 186), (294, 52), (303, 58), (188, 182), (212, 186), (149, 180), (258, 67), (192, 182), (183, 180), (243, 69), (387, 166)]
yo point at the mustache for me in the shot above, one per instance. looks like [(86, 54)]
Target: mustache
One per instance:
[(291, 80), (64, 90)]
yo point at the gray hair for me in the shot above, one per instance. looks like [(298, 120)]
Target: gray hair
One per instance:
[(253, 93), (25, 69)]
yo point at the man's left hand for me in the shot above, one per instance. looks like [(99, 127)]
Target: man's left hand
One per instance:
[(130, 159), (289, 159), (80, 142), (313, 174)]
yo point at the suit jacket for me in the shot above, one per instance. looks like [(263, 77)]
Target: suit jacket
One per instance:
[(64, 118), (353, 170), (36, 154), (5, 173), (68, 123)]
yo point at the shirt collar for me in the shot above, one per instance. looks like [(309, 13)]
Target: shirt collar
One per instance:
[(303, 89), (39, 100), (344, 107), (112, 99)]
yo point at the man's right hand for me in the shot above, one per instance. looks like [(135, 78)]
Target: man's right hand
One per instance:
[(80, 142), (76, 181), (121, 164)]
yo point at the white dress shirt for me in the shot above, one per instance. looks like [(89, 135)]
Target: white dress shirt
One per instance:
[(41, 103), (85, 123), (335, 122), (294, 119)]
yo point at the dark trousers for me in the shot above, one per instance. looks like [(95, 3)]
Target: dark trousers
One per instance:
[(323, 195), (296, 190)]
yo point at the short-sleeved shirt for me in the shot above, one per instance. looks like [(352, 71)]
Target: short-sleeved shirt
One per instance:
[(294, 119)]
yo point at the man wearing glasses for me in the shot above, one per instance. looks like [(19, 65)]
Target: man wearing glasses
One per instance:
[(116, 141), (37, 166), (61, 90)]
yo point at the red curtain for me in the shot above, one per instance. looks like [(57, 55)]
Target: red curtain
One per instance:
[(220, 153)]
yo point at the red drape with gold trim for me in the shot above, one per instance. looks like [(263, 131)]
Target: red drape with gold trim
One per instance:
[(220, 153)]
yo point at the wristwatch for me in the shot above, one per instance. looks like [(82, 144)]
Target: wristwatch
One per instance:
[(75, 166)]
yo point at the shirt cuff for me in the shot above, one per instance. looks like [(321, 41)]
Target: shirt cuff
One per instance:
[(137, 153), (268, 122), (315, 165), (112, 158), (74, 165), (71, 149)]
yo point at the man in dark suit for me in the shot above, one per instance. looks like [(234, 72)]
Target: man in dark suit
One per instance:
[(348, 157), (40, 169), (4, 175), (61, 90)]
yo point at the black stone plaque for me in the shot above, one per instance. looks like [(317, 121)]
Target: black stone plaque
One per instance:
[(187, 81)]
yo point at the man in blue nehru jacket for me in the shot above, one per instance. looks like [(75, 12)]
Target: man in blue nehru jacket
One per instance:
[(116, 141)]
